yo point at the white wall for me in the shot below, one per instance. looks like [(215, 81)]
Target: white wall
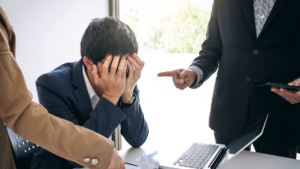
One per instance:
[(49, 32)]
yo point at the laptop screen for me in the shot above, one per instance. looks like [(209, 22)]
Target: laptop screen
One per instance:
[(248, 137)]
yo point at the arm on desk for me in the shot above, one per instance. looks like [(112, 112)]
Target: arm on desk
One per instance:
[(135, 128)]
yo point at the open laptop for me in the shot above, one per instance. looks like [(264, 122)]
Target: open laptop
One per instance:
[(212, 156)]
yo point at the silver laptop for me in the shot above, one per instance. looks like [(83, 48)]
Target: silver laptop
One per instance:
[(212, 156)]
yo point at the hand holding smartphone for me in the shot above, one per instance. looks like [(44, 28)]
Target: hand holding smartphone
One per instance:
[(279, 85), (290, 92)]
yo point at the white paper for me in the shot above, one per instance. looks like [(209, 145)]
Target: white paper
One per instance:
[(147, 161)]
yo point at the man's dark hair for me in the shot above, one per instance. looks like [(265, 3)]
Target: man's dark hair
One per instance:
[(107, 36)]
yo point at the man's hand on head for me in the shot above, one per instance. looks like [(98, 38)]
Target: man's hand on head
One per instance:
[(291, 96), (112, 82), (135, 66), (182, 78)]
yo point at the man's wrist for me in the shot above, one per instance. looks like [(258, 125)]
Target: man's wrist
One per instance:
[(127, 98), (199, 76), (112, 99)]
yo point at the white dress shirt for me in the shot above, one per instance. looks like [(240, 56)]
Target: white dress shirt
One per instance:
[(93, 96)]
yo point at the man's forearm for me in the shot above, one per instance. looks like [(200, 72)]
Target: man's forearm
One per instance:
[(134, 127)]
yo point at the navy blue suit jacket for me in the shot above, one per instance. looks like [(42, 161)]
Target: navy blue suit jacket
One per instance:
[(64, 94)]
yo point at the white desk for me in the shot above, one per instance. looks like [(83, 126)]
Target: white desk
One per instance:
[(245, 160), (251, 160)]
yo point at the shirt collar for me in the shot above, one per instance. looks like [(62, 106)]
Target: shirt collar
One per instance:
[(88, 84)]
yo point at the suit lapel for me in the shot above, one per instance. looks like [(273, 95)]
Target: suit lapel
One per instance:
[(81, 93), (279, 4), (249, 14)]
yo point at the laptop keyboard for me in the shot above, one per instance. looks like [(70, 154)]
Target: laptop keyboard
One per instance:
[(196, 156)]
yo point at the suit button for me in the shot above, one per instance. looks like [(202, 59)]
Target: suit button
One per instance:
[(87, 160), (95, 161), (247, 79), (255, 52)]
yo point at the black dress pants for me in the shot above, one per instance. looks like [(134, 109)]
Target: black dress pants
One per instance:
[(263, 147)]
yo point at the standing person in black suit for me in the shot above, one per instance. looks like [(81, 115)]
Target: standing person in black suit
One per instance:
[(251, 42)]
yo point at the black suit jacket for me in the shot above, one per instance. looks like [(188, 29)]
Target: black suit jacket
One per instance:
[(245, 61)]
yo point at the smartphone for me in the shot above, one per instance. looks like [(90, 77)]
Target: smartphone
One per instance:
[(278, 85)]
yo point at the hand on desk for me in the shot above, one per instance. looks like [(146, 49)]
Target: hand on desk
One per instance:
[(116, 161), (290, 96), (182, 78)]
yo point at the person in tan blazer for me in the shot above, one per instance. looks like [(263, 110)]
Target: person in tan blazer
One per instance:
[(31, 120)]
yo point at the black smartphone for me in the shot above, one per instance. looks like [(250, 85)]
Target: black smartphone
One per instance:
[(278, 85)]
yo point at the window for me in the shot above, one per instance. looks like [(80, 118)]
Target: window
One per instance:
[(170, 34)]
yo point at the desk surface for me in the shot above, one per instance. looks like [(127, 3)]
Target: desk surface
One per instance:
[(245, 160), (251, 160)]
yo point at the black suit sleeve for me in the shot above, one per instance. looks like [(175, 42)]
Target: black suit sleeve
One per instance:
[(210, 55)]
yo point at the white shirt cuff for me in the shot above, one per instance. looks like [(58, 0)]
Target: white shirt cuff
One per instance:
[(199, 74)]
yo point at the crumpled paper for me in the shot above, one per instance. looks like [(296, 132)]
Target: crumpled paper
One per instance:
[(147, 161)]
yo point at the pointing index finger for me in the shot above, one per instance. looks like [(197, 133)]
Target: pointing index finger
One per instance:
[(167, 74)]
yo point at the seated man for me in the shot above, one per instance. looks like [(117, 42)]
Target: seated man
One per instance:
[(99, 91)]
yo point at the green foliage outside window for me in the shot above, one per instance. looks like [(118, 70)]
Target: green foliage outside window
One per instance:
[(182, 30)]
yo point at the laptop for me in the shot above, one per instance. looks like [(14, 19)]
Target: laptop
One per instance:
[(212, 156)]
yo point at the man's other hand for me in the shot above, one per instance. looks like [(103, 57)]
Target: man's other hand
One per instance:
[(182, 78), (116, 161), (290, 96), (135, 66), (113, 78)]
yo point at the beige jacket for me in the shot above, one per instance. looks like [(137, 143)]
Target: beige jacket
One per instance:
[(32, 121)]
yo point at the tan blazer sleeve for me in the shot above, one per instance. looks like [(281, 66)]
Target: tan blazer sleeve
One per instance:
[(32, 121)]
